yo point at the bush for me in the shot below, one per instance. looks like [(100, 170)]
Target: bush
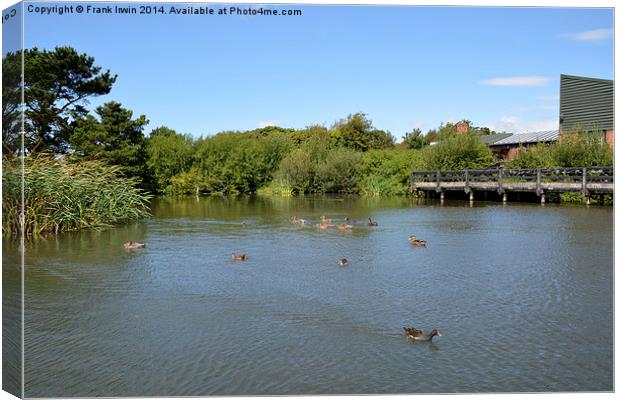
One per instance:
[(458, 152), (61, 195), (582, 150), (384, 172), (578, 150), (338, 173), (538, 156), (234, 162), (169, 153)]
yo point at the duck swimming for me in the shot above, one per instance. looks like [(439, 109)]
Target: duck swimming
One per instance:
[(134, 245), (417, 242), (418, 335), (343, 227), (239, 257), (372, 223), (298, 221), (343, 262), (323, 225), (326, 220)]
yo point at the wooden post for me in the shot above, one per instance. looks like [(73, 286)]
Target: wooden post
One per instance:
[(441, 195), (471, 196), (538, 187), (438, 188), (542, 198), (500, 181), (466, 181), (584, 183), (504, 197)]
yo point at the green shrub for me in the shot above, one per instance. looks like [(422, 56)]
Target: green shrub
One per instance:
[(386, 172), (62, 195), (338, 174), (538, 156), (233, 162), (458, 152), (169, 153)]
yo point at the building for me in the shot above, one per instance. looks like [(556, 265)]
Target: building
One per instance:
[(587, 104), (507, 147)]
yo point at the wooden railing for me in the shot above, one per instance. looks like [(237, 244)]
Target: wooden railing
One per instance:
[(498, 177)]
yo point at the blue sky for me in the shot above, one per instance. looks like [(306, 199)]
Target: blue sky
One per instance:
[(404, 66)]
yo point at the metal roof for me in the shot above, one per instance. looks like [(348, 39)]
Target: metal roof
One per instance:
[(490, 139), (529, 137)]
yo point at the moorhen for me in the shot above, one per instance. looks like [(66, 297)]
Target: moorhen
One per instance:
[(416, 334)]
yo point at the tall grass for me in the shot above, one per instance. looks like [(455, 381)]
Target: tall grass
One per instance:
[(62, 195)]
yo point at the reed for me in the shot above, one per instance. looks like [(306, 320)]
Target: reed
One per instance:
[(63, 195)]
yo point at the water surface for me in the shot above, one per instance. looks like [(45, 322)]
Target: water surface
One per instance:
[(521, 292)]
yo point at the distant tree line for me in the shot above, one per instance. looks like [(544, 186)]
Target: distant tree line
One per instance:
[(350, 156)]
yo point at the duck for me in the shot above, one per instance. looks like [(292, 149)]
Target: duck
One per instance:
[(343, 262), (134, 245), (418, 335), (343, 227), (323, 225), (238, 257), (349, 221), (298, 221), (326, 220), (372, 223), (417, 242)]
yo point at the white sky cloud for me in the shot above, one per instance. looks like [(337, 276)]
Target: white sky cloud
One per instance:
[(595, 35), (513, 124), (263, 124), (516, 81)]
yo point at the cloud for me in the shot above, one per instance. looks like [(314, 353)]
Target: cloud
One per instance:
[(514, 124), (517, 81), (595, 35), (264, 124)]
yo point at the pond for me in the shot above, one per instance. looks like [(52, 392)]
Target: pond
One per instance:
[(522, 294)]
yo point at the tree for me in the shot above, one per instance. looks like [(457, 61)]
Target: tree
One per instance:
[(414, 139), (11, 99), (57, 85), (168, 153), (115, 138), (357, 133)]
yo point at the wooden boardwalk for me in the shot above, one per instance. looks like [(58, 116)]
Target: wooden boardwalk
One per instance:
[(587, 181)]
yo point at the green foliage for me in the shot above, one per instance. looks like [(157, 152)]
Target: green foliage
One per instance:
[(65, 196), (449, 129), (539, 156), (317, 134), (277, 187), (299, 169), (234, 162), (582, 150), (356, 132), (575, 150), (169, 153), (415, 140), (315, 169), (57, 86), (115, 138), (386, 172), (457, 152), (337, 174)]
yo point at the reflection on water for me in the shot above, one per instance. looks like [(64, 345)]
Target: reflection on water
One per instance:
[(521, 293)]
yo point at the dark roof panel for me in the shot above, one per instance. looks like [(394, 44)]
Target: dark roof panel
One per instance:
[(586, 103)]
